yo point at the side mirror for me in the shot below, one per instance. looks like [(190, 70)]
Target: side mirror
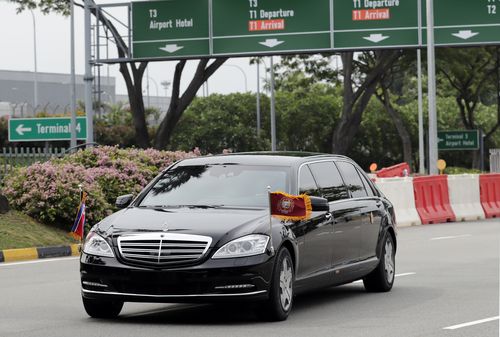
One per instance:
[(319, 204), (124, 201)]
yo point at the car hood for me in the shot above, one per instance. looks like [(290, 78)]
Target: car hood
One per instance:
[(221, 224)]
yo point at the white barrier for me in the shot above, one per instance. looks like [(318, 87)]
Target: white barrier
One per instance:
[(464, 197), (400, 192)]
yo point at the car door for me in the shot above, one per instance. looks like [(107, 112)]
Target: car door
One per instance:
[(366, 209), (345, 246), (315, 233), (373, 226)]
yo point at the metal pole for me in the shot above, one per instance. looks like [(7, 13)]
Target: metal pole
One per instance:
[(35, 75), (421, 147), (431, 69), (147, 86), (89, 109), (273, 110), (73, 77), (258, 97), (242, 72), (481, 146)]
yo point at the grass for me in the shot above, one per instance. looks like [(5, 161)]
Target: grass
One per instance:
[(18, 230)]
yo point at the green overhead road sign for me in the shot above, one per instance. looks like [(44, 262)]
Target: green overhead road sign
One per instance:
[(367, 24), (176, 29), (458, 140), (45, 129), (170, 29), (266, 26), (465, 22)]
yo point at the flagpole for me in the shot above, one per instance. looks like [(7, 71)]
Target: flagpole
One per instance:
[(270, 220)]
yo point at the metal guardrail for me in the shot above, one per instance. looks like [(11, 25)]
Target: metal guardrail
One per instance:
[(495, 160), (12, 157)]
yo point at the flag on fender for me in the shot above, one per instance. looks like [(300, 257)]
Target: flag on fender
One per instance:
[(78, 226), (290, 207)]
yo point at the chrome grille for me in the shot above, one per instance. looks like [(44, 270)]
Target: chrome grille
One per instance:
[(161, 249)]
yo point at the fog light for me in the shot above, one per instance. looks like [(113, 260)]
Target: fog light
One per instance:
[(94, 284), (235, 286)]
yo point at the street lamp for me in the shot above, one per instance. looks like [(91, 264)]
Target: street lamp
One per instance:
[(35, 78), (242, 71)]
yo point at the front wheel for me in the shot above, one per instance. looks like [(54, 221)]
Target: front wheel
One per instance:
[(382, 278), (102, 309), (279, 304)]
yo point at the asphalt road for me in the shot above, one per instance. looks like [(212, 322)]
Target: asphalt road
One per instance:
[(449, 278)]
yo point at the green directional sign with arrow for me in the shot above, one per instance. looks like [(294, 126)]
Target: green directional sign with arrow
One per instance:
[(45, 129), (170, 29), (266, 26), (465, 22), (367, 24)]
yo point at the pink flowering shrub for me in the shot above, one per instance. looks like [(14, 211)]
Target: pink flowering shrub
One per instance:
[(49, 191)]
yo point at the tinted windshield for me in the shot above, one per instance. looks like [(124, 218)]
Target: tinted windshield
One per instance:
[(217, 185)]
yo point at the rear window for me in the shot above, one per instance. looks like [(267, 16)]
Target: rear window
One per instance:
[(329, 180), (352, 179)]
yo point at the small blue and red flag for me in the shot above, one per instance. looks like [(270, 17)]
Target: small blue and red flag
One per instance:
[(78, 226)]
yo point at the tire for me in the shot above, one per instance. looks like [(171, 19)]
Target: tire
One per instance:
[(279, 304), (102, 309), (382, 278)]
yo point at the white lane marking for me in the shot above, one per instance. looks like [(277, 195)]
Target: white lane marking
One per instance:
[(464, 325), (8, 264), (451, 237), (397, 275)]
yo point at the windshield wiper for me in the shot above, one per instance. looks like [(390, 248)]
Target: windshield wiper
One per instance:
[(199, 206), (180, 206)]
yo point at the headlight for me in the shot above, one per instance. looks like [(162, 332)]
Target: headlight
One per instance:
[(96, 245), (245, 246)]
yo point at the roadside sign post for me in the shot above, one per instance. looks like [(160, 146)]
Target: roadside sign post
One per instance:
[(45, 129)]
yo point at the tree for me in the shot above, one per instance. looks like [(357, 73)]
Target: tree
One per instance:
[(133, 73), (360, 75), (472, 74), (394, 79)]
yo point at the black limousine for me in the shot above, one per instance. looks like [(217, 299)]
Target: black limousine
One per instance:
[(201, 232)]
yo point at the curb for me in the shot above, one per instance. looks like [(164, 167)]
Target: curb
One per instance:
[(26, 254)]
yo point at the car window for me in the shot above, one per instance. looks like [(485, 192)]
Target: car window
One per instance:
[(352, 179), (329, 181), (368, 187), (228, 185), (307, 185)]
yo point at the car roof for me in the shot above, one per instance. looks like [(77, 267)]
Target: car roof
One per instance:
[(259, 158)]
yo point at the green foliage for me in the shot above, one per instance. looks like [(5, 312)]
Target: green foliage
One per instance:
[(221, 122), (460, 170)]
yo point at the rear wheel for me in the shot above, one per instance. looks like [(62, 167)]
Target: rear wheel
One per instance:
[(382, 278), (279, 304), (102, 309)]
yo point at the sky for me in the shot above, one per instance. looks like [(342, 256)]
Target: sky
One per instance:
[(53, 53)]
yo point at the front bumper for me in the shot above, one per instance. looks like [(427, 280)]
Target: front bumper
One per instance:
[(212, 281)]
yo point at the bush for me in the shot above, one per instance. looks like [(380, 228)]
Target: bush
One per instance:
[(460, 170), (49, 192)]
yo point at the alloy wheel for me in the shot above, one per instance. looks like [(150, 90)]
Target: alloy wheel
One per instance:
[(389, 261), (286, 287)]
